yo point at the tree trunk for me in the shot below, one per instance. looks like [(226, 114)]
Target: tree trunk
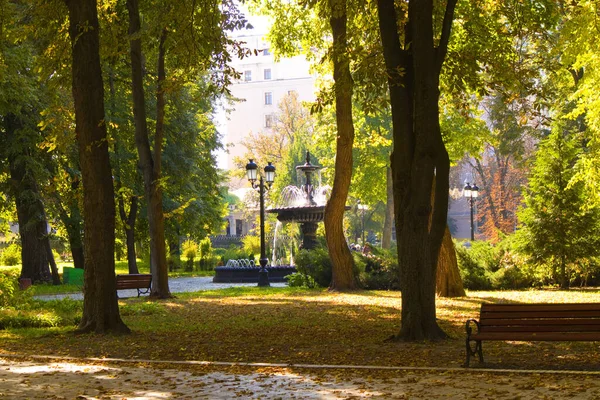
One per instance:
[(418, 157), (449, 282), (129, 226), (72, 223), (151, 166), (341, 258), (386, 237), (30, 211), (100, 306), (53, 267)]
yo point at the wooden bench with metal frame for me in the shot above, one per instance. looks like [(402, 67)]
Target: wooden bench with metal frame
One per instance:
[(141, 282), (532, 323)]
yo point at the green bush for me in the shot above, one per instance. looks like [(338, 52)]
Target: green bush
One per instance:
[(316, 264), (10, 294), (251, 245), (190, 251), (11, 255), (472, 270), (207, 260), (379, 270), (233, 253), (298, 279)]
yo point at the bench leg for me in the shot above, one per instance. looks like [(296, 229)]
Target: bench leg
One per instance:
[(471, 352)]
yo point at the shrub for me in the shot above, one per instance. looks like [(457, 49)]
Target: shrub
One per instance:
[(233, 253), (472, 272), (190, 251), (251, 245), (316, 264), (298, 279), (207, 261), (10, 294), (11, 255), (379, 270)]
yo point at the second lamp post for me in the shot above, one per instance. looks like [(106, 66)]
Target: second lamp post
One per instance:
[(471, 192), (252, 174)]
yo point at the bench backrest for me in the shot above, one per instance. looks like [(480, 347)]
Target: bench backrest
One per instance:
[(134, 280), (575, 317)]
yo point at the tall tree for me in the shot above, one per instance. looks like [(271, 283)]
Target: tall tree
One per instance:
[(558, 230), (100, 307), (419, 156), (150, 162), (341, 260)]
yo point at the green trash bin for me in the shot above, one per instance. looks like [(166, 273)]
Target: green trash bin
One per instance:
[(73, 276)]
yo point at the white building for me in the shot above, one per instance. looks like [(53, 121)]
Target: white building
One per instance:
[(263, 84)]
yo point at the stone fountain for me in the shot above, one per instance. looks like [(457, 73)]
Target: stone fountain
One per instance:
[(304, 205)]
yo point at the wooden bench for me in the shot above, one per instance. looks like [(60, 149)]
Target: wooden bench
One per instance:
[(141, 282), (532, 323)]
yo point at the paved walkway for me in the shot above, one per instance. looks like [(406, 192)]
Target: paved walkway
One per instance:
[(42, 378), (177, 285)]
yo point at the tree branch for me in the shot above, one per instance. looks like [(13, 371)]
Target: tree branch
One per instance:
[(442, 49)]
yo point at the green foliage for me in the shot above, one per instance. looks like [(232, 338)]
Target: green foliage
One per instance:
[(207, 260), (485, 266), (298, 279), (11, 255), (190, 249), (558, 230), (379, 269), (42, 314), (316, 264), (233, 253), (251, 245)]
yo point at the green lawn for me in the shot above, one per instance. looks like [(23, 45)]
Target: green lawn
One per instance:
[(120, 268)]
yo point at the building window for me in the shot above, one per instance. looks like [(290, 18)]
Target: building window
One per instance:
[(247, 76), (267, 73), (269, 121), (266, 52), (268, 98)]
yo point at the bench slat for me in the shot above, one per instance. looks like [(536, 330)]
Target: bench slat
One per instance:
[(538, 336), (539, 322), (546, 328), (486, 307), (541, 314)]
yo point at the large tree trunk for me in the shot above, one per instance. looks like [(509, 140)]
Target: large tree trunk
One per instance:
[(388, 223), (341, 258), (418, 157), (150, 165), (100, 306), (449, 283)]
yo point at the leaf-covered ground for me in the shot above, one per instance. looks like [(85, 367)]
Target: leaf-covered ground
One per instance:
[(304, 327), (69, 380)]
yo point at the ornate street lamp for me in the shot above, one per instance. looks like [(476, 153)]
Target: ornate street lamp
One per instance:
[(251, 173), (471, 193), (362, 207)]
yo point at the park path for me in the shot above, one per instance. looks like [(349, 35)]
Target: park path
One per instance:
[(78, 379), (177, 285)]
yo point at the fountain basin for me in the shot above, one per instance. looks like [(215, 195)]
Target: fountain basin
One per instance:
[(299, 214), (228, 274)]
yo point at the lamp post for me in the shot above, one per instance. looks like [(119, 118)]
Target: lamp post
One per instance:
[(471, 193), (251, 173)]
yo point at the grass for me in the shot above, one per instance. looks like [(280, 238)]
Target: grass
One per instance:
[(120, 268), (290, 325)]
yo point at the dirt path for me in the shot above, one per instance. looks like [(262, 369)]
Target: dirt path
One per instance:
[(21, 379)]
